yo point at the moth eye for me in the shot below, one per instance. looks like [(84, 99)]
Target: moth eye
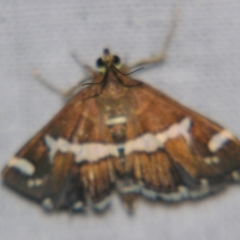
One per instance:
[(116, 60), (100, 63)]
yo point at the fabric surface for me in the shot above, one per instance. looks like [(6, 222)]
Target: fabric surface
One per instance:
[(202, 71)]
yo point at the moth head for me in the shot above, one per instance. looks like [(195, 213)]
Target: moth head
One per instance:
[(107, 61)]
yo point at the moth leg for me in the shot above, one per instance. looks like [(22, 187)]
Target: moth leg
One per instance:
[(129, 201), (168, 39)]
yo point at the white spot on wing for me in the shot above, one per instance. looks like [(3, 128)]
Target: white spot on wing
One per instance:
[(236, 176), (184, 192), (51, 143), (22, 165), (202, 191), (116, 120), (37, 182), (47, 204), (218, 140), (102, 205), (77, 206), (204, 182), (212, 160)]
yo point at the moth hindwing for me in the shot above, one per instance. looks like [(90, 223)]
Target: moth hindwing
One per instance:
[(121, 134)]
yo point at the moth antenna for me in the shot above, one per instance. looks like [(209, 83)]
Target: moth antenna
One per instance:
[(125, 85), (126, 74), (102, 81)]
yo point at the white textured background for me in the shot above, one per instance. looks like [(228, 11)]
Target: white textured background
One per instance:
[(202, 72)]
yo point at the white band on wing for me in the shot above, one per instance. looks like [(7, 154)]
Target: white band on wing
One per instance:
[(92, 152)]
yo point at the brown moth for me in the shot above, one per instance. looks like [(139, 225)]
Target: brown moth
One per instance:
[(120, 134)]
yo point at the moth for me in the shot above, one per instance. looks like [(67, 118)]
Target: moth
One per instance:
[(120, 134)]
